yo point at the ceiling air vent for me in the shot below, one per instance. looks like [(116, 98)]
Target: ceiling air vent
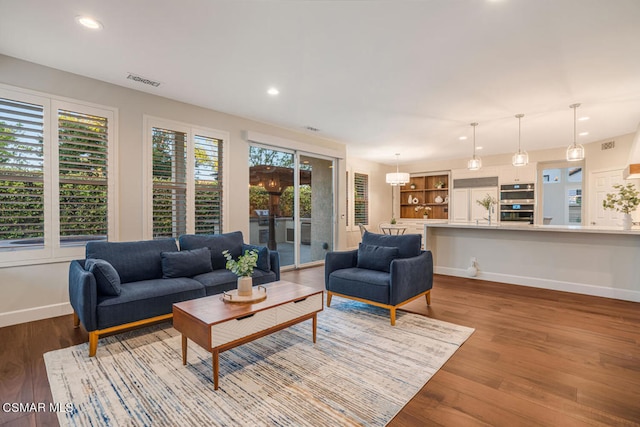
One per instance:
[(143, 80), (311, 128), (608, 145)]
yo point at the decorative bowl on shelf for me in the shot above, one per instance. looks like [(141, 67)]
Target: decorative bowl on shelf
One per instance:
[(439, 199)]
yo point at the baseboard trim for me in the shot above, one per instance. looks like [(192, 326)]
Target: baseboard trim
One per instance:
[(35, 313), (556, 285)]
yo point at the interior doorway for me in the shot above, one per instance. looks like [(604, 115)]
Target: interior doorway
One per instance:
[(562, 186)]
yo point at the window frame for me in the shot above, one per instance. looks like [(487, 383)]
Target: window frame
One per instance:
[(190, 130), (52, 251), (351, 201)]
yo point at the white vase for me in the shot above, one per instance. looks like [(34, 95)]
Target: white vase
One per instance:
[(410, 199), (245, 286), (627, 221)]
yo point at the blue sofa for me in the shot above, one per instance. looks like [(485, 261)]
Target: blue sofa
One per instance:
[(126, 284), (385, 271)]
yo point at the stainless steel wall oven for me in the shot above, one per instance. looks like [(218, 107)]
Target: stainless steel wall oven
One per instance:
[(517, 202)]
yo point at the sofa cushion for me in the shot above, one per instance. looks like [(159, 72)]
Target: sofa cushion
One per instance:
[(371, 285), (186, 263), (263, 256), (145, 299), (107, 278), (219, 281), (376, 257), (408, 244), (134, 261), (216, 243)]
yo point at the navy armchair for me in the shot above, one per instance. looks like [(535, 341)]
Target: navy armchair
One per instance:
[(385, 271)]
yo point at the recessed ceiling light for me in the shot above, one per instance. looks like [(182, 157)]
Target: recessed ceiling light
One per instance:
[(583, 133), (88, 22), (478, 148), (583, 119), (273, 91), (462, 138)]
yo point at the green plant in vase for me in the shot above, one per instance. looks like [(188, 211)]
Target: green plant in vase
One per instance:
[(487, 202), (243, 268), (625, 201)]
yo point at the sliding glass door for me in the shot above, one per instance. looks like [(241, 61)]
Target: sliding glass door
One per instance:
[(316, 208), (291, 204)]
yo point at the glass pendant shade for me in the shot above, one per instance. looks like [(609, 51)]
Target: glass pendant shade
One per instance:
[(475, 162), (521, 158), (575, 152), (397, 177)]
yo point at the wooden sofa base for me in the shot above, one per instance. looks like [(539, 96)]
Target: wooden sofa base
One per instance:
[(391, 308), (94, 335)]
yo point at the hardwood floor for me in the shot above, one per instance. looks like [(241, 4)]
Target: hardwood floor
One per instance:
[(537, 357)]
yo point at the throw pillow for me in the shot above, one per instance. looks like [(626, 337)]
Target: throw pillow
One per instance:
[(186, 263), (216, 243), (107, 278), (408, 244), (264, 261), (376, 257)]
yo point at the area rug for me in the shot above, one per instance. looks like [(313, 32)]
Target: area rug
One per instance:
[(361, 371)]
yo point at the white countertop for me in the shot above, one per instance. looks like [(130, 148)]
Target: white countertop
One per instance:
[(529, 227)]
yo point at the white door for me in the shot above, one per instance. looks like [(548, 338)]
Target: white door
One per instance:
[(460, 207), (478, 212), (602, 183)]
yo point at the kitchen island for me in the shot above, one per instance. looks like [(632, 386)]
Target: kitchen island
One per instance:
[(600, 261)]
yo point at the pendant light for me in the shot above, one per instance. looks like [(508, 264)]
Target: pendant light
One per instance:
[(474, 163), (521, 158), (397, 177), (575, 152)]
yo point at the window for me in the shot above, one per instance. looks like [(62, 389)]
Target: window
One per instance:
[(186, 175), (21, 173), (361, 198), (82, 176), (55, 191), (347, 193)]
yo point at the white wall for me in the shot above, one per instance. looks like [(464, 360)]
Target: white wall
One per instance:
[(26, 290)]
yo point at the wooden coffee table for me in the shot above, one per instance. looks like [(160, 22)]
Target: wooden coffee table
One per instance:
[(216, 325)]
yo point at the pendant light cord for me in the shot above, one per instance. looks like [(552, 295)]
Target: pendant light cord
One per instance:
[(575, 120), (474, 138)]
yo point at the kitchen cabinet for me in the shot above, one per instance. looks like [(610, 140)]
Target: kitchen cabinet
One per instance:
[(430, 190), (515, 175), (465, 207)]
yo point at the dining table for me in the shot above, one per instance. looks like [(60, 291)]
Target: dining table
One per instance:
[(394, 229)]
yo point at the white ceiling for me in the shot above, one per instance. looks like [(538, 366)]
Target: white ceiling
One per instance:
[(381, 76)]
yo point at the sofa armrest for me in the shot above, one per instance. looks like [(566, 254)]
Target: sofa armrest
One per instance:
[(83, 294), (338, 260), (410, 277), (274, 260)]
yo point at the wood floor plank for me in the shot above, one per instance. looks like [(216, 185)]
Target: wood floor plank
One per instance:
[(537, 357), (15, 371)]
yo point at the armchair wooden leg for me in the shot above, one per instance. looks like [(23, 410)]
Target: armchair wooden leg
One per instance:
[(76, 320), (428, 295), (93, 343), (329, 295), (392, 312)]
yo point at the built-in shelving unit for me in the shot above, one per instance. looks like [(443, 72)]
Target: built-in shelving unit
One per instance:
[(425, 190)]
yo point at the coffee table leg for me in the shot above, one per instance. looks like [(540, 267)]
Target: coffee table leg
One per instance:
[(216, 366), (315, 326), (184, 349)]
